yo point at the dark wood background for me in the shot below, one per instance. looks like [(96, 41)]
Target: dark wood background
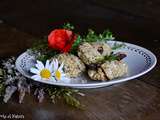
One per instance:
[(39, 16), (129, 20)]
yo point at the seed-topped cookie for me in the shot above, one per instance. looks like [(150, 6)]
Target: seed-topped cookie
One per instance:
[(73, 66), (91, 53)]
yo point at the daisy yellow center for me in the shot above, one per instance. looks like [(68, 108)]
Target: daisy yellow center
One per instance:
[(45, 73), (58, 74)]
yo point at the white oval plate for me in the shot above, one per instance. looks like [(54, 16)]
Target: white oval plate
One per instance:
[(139, 60)]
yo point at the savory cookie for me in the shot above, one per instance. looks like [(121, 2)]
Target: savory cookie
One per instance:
[(103, 48), (114, 69), (109, 71), (97, 74), (94, 52), (73, 66)]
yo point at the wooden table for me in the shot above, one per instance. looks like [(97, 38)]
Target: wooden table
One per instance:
[(138, 99)]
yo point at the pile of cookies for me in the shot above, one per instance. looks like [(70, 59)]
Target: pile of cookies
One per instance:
[(91, 59)]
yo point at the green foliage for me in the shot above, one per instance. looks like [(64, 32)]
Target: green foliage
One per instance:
[(67, 94), (93, 37), (68, 26), (107, 35), (75, 45), (47, 55), (110, 58), (117, 46), (41, 46)]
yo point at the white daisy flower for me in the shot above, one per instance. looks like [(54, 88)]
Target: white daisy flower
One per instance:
[(42, 72), (59, 73)]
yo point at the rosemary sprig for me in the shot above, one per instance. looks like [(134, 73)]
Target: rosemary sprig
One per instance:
[(67, 94)]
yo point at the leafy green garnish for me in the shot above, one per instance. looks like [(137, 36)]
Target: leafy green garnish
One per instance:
[(75, 45), (47, 55), (106, 35), (93, 37), (41, 46), (68, 26), (110, 58), (118, 46), (66, 94)]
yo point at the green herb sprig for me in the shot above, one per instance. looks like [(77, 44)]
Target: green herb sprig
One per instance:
[(75, 45), (68, 26), (41, 46), (93, 37), (118, 46), (110, 58), (67, 94)]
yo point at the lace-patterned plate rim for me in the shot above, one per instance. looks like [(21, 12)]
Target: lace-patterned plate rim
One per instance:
[(140, 61)]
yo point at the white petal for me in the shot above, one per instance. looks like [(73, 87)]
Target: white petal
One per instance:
[(55, 64), (60, 68), (47, 64), (36, 77), (40, 64), (51, 67), (53, 74), (39, 67), (34, 70)]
